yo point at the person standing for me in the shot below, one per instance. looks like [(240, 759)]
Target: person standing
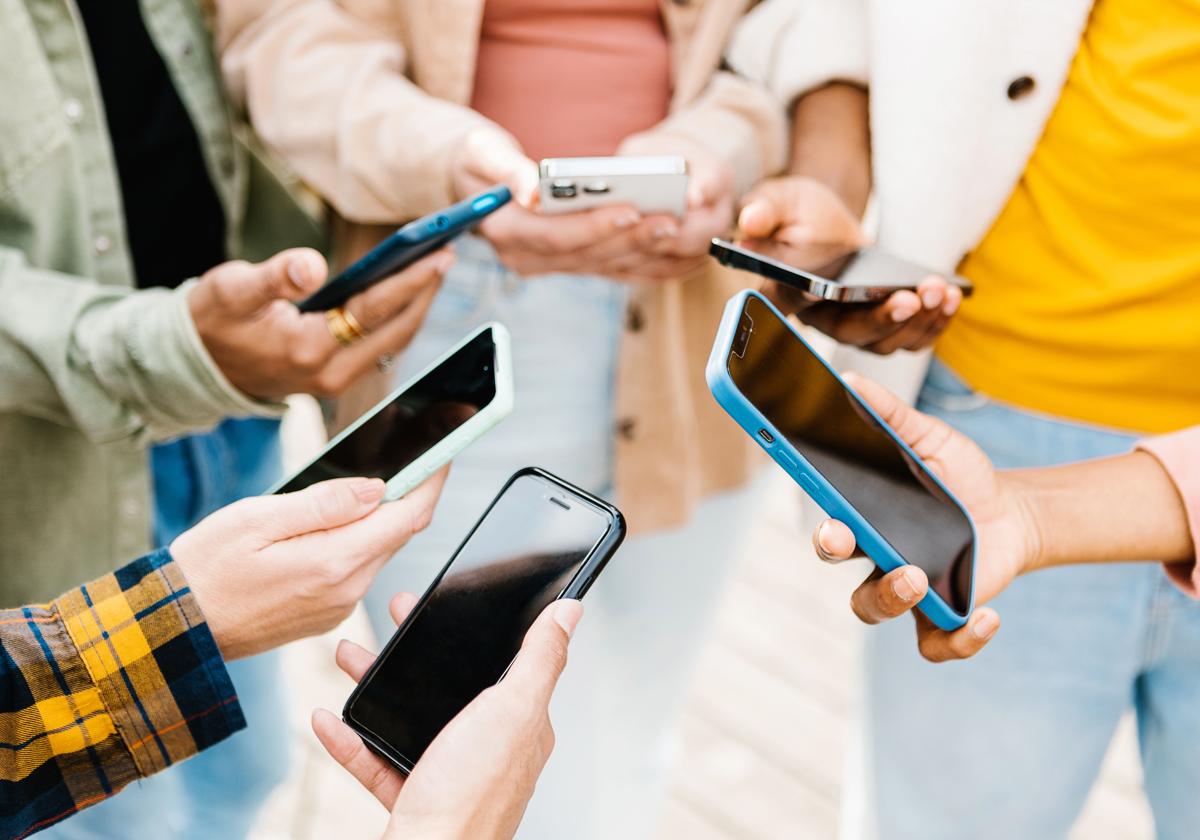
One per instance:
[(1049, 154), (394, 110)]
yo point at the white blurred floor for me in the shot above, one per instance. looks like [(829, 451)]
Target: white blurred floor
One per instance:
[(768, 723)]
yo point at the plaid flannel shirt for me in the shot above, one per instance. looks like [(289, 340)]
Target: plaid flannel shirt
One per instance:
[(113, 681)]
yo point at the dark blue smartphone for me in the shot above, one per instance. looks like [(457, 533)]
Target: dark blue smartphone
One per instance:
[(405, 247), (540, 540)]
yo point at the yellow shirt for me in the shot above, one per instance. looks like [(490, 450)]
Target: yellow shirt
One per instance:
[(1087, 302)]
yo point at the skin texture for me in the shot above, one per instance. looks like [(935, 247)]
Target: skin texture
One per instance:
[(272, 569), (1120, 509), (268, 349), (617, 242), (821, 200), (478, 775)]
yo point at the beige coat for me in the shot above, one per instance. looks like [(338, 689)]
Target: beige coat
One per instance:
[(367, 100)]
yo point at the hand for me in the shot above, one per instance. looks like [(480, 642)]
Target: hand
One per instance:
[(803, 211), (268, 349), (490, 155), (272, 569), (675, 247), (1008, 540), (477, 776)]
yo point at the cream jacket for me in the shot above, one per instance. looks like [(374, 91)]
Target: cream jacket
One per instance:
[(367, 100)]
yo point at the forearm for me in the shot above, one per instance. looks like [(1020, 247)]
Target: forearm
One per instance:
[(117, 365), (1111, 510), (831, 141), (90, 696)]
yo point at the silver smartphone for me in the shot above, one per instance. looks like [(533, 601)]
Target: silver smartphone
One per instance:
[(829, 272), (651, 183)]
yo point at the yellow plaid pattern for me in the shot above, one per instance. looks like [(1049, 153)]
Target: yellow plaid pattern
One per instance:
[(112, 682)]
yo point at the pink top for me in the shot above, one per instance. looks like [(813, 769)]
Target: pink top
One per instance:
[(572, 78), (1179, 453)]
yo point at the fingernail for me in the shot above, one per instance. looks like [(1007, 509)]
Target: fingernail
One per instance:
[(627, 219), (567, 613), (822, 532), (953, 301), (904, 586), (984, 627), (932, 298), (905, 311), (665, 230), (368, 490), (297, 272)]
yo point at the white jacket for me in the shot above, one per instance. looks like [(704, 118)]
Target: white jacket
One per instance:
[(954, 117)]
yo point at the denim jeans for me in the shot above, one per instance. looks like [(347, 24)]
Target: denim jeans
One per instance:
[(1008, 744), (217, 793), (645, 617)]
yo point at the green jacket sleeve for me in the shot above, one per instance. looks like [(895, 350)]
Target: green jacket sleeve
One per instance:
[(119, 365)]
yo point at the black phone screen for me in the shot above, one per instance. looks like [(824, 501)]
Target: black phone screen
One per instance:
[(465, 632), (413, 421), (786, 381)]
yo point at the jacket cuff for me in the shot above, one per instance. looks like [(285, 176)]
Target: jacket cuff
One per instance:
[(795, 47), (1179, 454), (149, 652)]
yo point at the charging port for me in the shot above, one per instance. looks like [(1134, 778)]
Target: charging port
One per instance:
[(767, 437)]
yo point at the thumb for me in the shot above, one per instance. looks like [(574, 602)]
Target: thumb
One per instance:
[(504, 162), (245, 288), (543, 655), (760, 217), (321, 507), (905, 420)]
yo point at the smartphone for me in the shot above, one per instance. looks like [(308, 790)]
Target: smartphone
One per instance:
[(829, 272), (541, 539), (405, 247), (423, 424), (785, 396), (651, 183)]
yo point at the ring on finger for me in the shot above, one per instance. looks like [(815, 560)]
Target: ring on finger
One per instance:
[(344, 327)]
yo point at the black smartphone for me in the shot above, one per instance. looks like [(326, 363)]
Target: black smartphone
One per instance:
[(541, 539), (829, 272), (423, 424), (405, 247)]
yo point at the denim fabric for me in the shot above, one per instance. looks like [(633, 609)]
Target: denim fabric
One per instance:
[(1007, 745), (217, 793), (645, 617)]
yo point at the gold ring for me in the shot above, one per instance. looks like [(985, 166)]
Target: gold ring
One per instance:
[(343, 326)]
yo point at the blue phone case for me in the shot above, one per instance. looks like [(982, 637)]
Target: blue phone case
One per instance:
[(803, 473), (405, 247)]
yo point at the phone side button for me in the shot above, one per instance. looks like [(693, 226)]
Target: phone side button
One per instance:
[(810, 487)]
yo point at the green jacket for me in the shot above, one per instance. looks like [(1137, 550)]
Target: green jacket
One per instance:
[(91, 373)]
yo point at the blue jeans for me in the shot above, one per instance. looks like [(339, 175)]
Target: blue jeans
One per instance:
[(1008, 744), (646, 615), (218, 793)]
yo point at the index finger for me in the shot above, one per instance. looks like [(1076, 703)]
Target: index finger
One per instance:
[(378, 304), (562, 234)]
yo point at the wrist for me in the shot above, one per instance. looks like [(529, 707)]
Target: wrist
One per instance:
[(1027, 506)]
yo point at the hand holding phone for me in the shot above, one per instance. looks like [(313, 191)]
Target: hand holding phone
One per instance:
[(418, 428), (793, 404), (479, 773), (540, 540)]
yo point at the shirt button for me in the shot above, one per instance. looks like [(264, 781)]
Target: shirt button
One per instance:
[(101, 244), (634, 320), (626, 427), (73, 109), (1021, 87)]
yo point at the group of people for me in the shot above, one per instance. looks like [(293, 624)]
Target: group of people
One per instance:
[(158, 169)]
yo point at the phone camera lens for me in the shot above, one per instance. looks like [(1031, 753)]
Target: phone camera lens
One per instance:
[(745, 328), (442, 222), (563, 189)]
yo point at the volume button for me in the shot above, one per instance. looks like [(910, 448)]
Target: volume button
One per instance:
[(810, 487)]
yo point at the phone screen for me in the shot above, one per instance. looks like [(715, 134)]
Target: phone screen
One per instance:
[(777, 372), (529, 545), (414, 421)]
